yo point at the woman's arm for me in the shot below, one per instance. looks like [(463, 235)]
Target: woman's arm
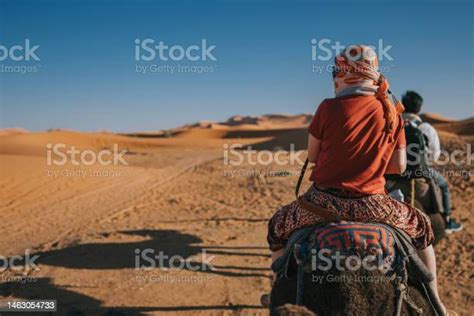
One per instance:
[(398, 162), (314, 147)]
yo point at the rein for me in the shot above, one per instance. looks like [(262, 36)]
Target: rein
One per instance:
[(300, 179), (307, 205)]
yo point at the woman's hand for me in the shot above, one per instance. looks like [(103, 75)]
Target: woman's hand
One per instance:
[(314, 147), (398, 162)]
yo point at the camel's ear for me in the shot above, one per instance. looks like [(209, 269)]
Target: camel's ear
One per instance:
[(289, 310)]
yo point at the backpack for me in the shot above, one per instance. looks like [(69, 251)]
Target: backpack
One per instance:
[(417, 153)]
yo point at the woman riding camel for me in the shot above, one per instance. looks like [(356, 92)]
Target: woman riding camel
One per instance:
[(354, 140)]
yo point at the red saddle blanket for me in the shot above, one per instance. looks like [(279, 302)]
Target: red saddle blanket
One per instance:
[(355, 237)]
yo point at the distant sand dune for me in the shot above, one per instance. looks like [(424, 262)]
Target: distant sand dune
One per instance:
[(459, 127), (434, 118), (267, 132), (12, 131), (35, 143), (270, 120), (463, 128)]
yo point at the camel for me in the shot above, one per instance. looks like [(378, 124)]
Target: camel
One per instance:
[(348, 298), (337, 291), (427, 198)]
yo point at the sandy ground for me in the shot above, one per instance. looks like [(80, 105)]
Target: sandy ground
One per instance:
[(176, 196)]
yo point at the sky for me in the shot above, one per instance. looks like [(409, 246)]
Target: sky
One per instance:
[(260, 58)]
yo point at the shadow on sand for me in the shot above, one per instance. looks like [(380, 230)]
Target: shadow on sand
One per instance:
[(123, 255), (75, 304), (170, 243)]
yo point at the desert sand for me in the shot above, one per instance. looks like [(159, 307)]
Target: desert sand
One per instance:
[(175, 195)]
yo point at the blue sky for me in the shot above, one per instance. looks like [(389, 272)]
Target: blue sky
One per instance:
[(86, 77)]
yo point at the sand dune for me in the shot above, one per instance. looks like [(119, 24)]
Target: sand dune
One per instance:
[(35, 143), (277, 131), (459, 127), (463, 128), (274, 125), (270, 120), (434, 118), (12, 131), (176, 195)]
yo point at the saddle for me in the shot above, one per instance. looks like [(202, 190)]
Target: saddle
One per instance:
[(404, 260), (335, 233)]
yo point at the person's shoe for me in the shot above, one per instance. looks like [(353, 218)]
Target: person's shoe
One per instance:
[(452, 226), (265, 300)]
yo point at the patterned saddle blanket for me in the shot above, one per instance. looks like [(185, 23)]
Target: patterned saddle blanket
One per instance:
[(341, 241), (354, 238)]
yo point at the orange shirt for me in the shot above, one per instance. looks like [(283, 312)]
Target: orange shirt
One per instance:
[(355, 149)]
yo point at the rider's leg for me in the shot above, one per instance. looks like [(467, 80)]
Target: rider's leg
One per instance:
[(275, 255), (451, 224), (443, 185), (427, 255)]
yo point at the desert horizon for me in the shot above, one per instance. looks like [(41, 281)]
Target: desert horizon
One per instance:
[(269, 120), (176, 194)]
